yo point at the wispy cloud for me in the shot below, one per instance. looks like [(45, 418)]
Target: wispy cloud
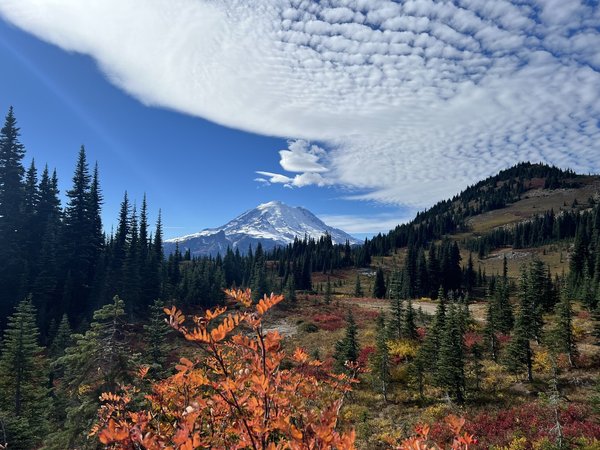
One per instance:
[(375, 223), (406, 101)]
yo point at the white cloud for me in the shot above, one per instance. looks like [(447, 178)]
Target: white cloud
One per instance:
[(302, 157), (375, 223), (412, 100)]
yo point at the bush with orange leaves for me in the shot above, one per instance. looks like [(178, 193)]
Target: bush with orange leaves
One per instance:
[(233, 395), (461, 440)]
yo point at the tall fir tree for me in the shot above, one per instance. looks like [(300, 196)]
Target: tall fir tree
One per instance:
[(78, 242), (519, 353), (379, 289), (23, 380), (358, 291), (491, 326), (328, 292), (380, 364), (409, 326), (563, 336), (156, 332), (347, 348), (97, 362), (12, 194), (450, 370)]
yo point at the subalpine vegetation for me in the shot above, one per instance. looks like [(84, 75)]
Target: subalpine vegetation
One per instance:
[(410, 340)]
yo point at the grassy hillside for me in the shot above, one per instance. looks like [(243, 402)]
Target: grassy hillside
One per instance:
[(501, 407)]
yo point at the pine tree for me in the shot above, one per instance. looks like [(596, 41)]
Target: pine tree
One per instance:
[(156, 332), (564, 339), (491, 326), (290, 290), (518, 352), (327, 297), (379, 289), (358, 292), (396, 325), (131, 268), (470, 275), (12, 194), (259, 283), (97, 362), (44, 286), (431, 346), (346, 349), (433, 269), (62, 338), (155, 259), (78, 241), (120, 247), (23, 380), (381, 358), (503, 308), (31, 234), (450, 370), (95, 207), (409, 327)]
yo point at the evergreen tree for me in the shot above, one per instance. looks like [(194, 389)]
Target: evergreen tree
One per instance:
[(450, 371), (62, 339), (379, 289), (564, 339), (470, 275), (31, 235), (327, 297), (120, 247), (381, 358), (518, 352), (12, 194), (259, 284), (503, 309), (346, 349), (131, 269), (433, 269), (396, 325), (430, 348), (23, 380), (358, 292), (97, 362), (78, 241), (290, 291), (156, 332), (491, 326), (409, 328)]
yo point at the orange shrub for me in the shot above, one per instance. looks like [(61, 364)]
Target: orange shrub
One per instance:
[(233, 395)]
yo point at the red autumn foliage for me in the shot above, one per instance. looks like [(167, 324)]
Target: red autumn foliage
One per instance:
[(364, 354), (502, 338), (329, 322), (534, 421), (472, 339)]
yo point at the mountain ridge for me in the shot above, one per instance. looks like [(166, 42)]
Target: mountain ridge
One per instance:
[(271, 224)]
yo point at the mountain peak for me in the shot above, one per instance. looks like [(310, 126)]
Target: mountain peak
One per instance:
[(272, 224)]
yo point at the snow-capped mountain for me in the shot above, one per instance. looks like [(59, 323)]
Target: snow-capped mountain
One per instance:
[(271, 224)]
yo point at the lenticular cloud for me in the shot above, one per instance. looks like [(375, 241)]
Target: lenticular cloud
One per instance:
[(410, 100)]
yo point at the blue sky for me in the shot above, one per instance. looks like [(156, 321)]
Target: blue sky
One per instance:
[(200, 174), (364, 111)]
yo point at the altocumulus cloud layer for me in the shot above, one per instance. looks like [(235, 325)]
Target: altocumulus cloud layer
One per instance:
[(407, 101)]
